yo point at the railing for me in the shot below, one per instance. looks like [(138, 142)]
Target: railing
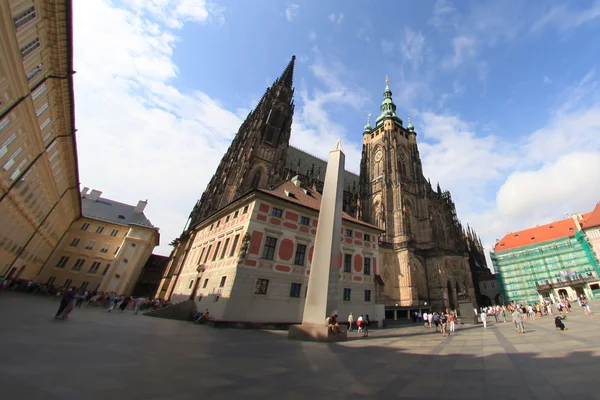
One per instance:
[(567, 281)]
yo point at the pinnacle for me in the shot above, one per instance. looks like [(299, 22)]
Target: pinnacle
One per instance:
[(287, 77)]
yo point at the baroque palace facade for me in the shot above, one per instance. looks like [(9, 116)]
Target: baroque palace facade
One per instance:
[(39, 181), (427, 260)]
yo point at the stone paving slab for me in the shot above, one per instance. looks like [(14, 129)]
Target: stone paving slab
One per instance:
[(100, 355)]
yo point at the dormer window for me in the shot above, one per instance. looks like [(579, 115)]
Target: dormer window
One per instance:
[(570, 229), (551, 227), (121, 217), (533, 238), (516, 236)]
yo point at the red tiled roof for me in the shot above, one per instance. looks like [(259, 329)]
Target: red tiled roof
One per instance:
[(539, 234), (312, 201), (591, 219)]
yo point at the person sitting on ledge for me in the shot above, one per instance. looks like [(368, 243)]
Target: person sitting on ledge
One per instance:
[(332, 323), (201, 318)]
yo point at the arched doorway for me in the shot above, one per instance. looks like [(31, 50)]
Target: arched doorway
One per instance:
[(451, 296), (562, 293)]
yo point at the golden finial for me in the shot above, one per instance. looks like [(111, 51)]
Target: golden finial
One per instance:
[(387, 80)]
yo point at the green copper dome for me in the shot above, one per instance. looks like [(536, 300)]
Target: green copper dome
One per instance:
[(388, 108)]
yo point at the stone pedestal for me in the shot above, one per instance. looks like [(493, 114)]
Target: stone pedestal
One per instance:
[(315, 333), (467, 315)]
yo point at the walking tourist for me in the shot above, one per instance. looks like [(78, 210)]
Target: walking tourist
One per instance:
[(350, 322), (484, 319), (518, 320)]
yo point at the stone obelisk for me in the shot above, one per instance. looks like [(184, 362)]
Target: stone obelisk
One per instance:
[(322, 293)]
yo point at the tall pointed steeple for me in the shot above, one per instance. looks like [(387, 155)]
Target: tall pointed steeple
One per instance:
[(244, 167), (287, 77)]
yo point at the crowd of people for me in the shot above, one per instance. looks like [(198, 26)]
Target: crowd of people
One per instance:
[(71, 297)]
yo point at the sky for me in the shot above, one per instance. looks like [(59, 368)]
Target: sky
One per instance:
[(503, 95)]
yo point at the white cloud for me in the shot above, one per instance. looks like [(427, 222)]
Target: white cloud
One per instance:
[(413, 46), (291, 11), (547, 80), (174, 13), (138, 136), (542, 177), (336, 19), (312, 36), (563, 18), (465, 49), (313, 128)]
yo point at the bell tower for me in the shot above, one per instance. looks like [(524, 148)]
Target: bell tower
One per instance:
[(385, 165)]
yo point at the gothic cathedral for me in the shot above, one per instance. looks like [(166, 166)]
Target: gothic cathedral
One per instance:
[(428, 259)]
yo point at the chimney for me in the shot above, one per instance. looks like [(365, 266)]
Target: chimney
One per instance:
[(84, 191), (94, 195), (296, 181), (140, 206)]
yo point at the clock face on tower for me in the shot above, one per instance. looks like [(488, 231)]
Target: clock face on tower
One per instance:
[(378, 155)]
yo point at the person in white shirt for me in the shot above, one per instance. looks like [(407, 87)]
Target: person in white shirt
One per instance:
[(350, 322), (425, 319), (484, 319)]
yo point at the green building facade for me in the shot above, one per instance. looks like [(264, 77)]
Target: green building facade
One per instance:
[(560, 268)]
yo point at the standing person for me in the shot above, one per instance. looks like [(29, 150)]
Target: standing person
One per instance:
[(452, 320), (70, 305), (484, 319), (425, 319), (64, 302), (359, 323), (517, 318), (138, 304), (366, 326), (429, 319), (350, 322), (444, 324)]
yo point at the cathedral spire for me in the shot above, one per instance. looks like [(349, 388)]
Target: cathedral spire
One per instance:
[(287, 77), (388, 108)]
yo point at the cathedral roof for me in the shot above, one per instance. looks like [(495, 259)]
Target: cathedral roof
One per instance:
[(308, 198), (539, 234), (301, 162)]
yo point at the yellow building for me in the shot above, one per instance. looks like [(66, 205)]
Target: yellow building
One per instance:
[(104, 250), (39, 184)]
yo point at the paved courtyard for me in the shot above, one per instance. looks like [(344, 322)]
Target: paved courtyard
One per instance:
[(97, 355)]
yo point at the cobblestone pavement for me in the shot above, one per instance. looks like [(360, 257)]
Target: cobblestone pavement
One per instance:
[(97, 355)]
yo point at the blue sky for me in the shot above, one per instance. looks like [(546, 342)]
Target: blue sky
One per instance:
[(503, 95)]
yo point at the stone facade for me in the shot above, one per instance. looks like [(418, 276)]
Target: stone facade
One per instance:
[(428, 258), (250, 261)]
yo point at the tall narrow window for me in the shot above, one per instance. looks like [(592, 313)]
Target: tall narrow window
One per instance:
[(300, 254), (234, 245), (106, 269), (223, 279), (295, 289), (214, 257), (347, 294), (347, 262), (269, 248), (225, 248), (367, 266), (207, 253)]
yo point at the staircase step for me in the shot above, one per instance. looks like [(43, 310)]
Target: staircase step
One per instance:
[(183, 311)]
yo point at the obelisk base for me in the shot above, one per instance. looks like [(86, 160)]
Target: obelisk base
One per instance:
[(315, 333)]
